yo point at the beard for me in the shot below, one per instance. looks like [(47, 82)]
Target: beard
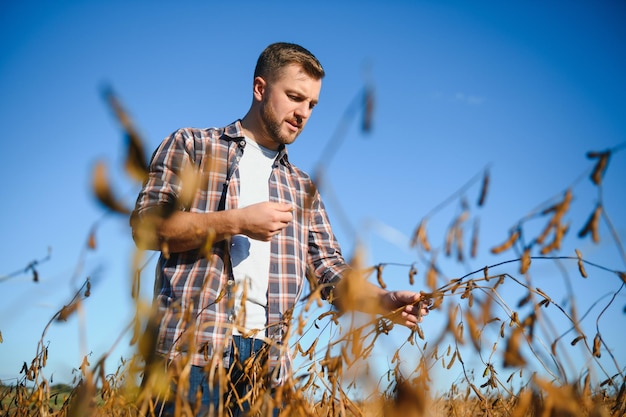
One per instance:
[(273, 127)]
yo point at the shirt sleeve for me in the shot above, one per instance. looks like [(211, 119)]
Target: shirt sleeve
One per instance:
[(325, 257), (160, 193)]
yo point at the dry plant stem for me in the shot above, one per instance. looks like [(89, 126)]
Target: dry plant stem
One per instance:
[(30, 267), (608, 350), (450, 284), (329, 151), (509, 312), (456, 194), (553, 329), (574, 321), (351, 341), (331, 147), (616, 239), (75, 299), (467, 378), (544, 322), (331, 198)]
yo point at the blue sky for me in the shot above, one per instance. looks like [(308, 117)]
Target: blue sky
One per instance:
[(525, 88)]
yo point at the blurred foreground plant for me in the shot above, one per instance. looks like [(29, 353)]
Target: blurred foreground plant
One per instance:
[(510, 341)]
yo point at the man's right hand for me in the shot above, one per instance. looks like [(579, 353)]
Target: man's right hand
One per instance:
[(262, 221)]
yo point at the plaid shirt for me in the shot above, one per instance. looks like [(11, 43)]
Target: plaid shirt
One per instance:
[(201, 284)]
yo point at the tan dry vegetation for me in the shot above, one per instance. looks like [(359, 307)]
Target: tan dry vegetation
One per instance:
[(513, 356)]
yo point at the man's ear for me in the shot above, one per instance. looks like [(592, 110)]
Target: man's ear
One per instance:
[(259, 87)]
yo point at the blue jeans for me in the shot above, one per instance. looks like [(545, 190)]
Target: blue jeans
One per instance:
[(243, 349)]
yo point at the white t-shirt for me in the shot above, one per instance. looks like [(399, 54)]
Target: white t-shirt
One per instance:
[(251, 258)]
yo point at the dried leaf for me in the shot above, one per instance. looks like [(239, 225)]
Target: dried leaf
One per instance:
[(473, 330), (368, 109), (506, 245), (484, 188), (412, 273), (601, 165), (459, 244), (67, 311), (587, 386), (379, 276), (546, 231), (457, 284), (474, 247), (523, 301), (91, 241), (523, 404), (581, 265), (448, 242), (512, 356), (190, 179), (562, 206), (431, 277), (136, 161), (592, 225), (526, 260), (102, 190), (508, 380), (165, 249), (559, 233), (420, 332), (84, 365), (452, 360), (596, 345), (206, 248), (419, 236)]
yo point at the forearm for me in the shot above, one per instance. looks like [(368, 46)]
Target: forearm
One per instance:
[(184, 231), (362, 296), (402, 307)]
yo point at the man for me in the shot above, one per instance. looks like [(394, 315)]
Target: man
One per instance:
[(240, 234)]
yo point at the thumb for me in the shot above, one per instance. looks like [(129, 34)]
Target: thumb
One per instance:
[(407, 297)]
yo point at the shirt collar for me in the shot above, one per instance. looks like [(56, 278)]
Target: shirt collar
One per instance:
[(234, 131)]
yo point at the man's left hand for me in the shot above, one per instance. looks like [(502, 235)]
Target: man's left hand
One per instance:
[(409, 307)]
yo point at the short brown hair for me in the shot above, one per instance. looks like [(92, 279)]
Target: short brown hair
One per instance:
[(278, 55)]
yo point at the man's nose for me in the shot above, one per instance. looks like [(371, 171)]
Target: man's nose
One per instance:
[(303, 111)]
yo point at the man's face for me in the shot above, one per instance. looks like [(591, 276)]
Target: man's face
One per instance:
[(286, 105)]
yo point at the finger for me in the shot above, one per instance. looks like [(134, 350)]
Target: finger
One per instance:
[(407, 297), (411, 319), (277, 231), (284, 217), (284, 207), (413, 316)]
